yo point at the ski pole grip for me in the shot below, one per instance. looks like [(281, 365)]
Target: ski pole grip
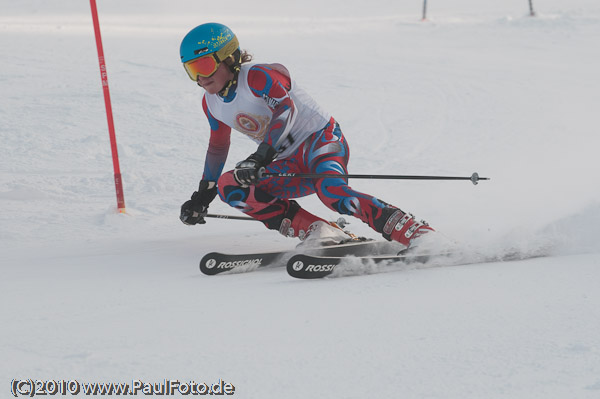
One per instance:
[(261, 172)]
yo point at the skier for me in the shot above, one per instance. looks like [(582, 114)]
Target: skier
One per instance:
[(294, 135)]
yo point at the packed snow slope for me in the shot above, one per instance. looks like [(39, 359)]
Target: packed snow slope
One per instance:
[(97, 296)]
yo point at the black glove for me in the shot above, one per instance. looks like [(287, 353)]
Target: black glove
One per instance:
[(194, 210), (248, 171)]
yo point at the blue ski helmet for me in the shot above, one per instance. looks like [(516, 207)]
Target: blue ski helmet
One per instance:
[(208, 39)]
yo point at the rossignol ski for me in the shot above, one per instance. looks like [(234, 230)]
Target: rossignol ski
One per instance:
[(216, 262), (306, 266)]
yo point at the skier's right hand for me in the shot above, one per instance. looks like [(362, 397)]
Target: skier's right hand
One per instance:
[(194, 210), (248, 171)]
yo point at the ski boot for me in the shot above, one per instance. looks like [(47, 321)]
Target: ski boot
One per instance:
[(404, 228), (322, 233)]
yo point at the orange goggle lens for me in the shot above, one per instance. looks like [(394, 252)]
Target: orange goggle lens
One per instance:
[(204, 66)]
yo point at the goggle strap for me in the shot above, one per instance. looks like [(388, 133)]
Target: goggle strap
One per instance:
[(227, 50), (232, 83)]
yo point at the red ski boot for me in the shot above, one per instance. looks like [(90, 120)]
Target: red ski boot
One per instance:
[(403, 228), (322, 233), (311, 229)]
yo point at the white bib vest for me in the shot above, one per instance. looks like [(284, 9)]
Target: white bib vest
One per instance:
[(251, 115)]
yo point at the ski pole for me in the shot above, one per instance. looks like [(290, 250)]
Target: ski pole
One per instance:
[(341, 222), (218, 216), (531, 12), (474, 178)]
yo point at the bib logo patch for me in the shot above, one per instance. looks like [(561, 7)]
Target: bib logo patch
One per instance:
[(247, 123), (252, 125)]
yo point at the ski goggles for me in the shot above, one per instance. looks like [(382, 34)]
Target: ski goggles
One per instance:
[(204, 66)]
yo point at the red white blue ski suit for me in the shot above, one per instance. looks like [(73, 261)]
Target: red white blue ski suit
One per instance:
[(268, 106)]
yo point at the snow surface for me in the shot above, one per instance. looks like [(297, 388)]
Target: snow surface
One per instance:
[(93, 295)]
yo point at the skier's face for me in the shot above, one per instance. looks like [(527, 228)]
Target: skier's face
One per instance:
[(217, 81)]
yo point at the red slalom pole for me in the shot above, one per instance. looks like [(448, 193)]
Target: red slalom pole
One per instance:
[(109, 115)]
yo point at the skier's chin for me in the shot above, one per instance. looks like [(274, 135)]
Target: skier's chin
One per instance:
[(210, 88), (206, 84)]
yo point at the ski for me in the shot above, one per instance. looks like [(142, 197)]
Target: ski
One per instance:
[(305, 266), (216, 262)]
